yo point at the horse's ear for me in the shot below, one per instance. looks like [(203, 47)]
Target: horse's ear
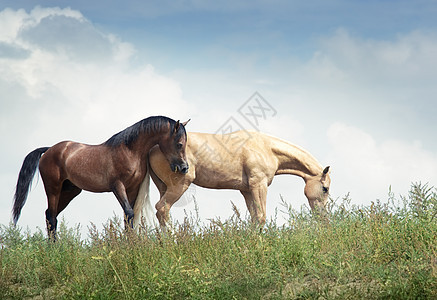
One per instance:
[(176, 126), (325, 173), (186, 122)]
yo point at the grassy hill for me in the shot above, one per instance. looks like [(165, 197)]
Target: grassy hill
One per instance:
[(387, 250)]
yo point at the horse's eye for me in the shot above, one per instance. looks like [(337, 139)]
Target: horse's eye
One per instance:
[(179, 145), (325, 189)]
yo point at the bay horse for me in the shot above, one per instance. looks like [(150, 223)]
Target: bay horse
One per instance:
[(243, 160), (118, 165)]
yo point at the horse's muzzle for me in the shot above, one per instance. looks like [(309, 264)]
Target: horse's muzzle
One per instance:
[(181, 168), (321, 212)]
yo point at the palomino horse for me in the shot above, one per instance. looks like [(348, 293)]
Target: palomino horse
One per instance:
[(242, 160), (119, 165)]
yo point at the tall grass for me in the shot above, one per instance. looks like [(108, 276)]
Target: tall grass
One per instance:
[(386, 250)]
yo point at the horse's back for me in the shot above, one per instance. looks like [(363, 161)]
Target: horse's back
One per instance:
[(53, 156), (76, 162), (232, 148), (228, 160), (221, 160)]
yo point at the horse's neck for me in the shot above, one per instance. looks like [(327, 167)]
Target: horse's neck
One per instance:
[(295, 160), (146, 141)]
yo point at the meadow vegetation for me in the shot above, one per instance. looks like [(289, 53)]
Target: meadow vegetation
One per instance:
[(387, 250)]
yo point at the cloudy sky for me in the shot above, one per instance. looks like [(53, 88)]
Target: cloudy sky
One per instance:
[(353, 82)]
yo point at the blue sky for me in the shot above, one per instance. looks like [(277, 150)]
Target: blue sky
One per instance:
[(352, 81)]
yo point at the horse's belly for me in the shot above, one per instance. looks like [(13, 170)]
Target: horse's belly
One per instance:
[(95, 187), (89, 181), (88, 171), (220, 180)]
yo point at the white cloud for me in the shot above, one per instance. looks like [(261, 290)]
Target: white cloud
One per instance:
[(382, 89), (62, 78), (367, 168), (73, 73), (377, 86), (407, 58)]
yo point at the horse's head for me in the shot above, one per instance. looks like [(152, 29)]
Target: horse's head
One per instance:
[(317, 191), (173, 147)]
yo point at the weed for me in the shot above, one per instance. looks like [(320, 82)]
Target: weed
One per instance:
[(385, 250)]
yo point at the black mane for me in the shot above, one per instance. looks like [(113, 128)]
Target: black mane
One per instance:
[(146, 126)]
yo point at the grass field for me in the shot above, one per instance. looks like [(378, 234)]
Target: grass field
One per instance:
[(384, 251)]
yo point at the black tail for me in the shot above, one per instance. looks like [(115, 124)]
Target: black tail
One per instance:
[(25, 179)]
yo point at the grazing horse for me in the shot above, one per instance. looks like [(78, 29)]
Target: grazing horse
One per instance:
[(119, 165), (242, 160)]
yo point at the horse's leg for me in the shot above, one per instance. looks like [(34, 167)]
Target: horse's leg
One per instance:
[(69, 191), (57, 201), (162, 188), (168, 198), (170, 190), (52, 212), (250, 204), (260, 196), (256, 203), (53, 191), (119, 191), (51, 170)]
